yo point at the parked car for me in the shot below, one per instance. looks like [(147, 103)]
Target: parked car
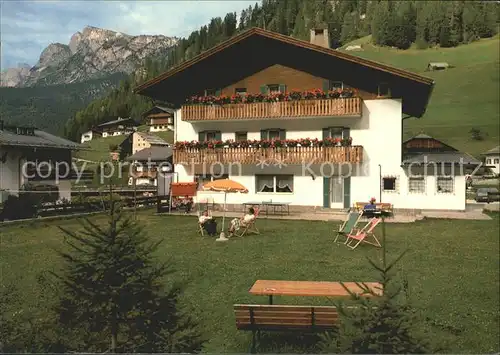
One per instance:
[(487, 194)]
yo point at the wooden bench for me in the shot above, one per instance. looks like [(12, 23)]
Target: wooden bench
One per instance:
[(386, 207), (309, 319)]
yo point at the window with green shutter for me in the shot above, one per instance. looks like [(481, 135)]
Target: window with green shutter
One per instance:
[(213, 92), (273, 133), (282, 88), (264, 89), (205, 136), (336, 132)]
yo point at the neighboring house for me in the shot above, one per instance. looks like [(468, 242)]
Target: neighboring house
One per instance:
[(160, 119), (147, 162), (89, 135), (492, 159), (28, 155), (141, 140), (334, 143), (117, 127)]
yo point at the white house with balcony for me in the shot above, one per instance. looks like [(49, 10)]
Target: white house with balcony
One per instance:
[(492, 160), (300, 123)]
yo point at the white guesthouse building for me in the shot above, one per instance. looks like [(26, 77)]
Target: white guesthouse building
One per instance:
[(337, 142)]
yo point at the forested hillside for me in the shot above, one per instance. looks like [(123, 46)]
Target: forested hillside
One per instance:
[(398, 24), (50, 107)]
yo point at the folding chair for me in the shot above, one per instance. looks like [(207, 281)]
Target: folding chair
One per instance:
[(349, 224), (250, 227), (364, 235)]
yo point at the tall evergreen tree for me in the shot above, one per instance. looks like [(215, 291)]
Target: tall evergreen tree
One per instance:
[(350, 27), (380, 23), (112, 295)]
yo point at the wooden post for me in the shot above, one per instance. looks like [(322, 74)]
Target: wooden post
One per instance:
[(135, 197)]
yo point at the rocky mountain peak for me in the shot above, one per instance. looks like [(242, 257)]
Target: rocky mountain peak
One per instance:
[(91, 53)]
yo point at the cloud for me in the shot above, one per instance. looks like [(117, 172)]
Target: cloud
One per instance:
[(27, 27)]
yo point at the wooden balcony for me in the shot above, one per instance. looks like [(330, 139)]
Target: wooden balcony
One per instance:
[(287, 155), (285, 109)]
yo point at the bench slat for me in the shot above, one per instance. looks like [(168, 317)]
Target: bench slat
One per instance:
[(284, 308), (284, 314)]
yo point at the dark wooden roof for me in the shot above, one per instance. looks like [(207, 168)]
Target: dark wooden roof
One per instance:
[(256, 49), (158, 109), (39, 139)]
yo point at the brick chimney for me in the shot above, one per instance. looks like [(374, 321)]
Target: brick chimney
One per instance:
[(319, 36)]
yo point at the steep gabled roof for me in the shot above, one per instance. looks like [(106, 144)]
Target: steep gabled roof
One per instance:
[(494, 151), (118, 121), (154, 153), (40, 139), (256, 49), (158, 109)]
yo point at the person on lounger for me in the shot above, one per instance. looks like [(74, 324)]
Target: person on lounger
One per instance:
[(244, 221), (208, 223)]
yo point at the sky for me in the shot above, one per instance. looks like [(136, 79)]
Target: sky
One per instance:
[(27, 27)]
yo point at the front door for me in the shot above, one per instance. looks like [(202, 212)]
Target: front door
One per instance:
[(337, 192)]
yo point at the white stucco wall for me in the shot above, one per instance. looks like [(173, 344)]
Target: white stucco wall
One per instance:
[(493, 162), (10, 177), (379, 131)]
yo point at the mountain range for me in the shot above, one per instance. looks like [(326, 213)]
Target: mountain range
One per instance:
[(92, 53)]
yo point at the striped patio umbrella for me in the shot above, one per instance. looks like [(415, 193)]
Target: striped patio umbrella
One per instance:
[(226, 186)]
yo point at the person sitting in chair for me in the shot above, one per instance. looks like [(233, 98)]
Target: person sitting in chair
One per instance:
[(208, 223), (244, 221), (371, 205)]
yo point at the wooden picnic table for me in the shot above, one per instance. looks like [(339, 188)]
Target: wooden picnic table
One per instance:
[(309, 288)]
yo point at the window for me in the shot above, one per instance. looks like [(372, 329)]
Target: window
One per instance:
[(335, 132), (240, 91), (389, 184), (211, 92), (416, 184), (274, 183), (204, 136), (496, 161), (240, 136), (273, 87), (274, 133), (336, 85), (445, 184), (384, 90), (488, 161)]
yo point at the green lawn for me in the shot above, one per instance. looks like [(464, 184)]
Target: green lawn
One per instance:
[(464, 97), (452, 268)]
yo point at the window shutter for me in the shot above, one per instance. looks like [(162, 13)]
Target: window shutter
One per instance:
[(217, 92), (201, 136), (326, 133), (282, 88), (264, 89), (263, 134), (346, 132), (326, 192), (326, 85), (218, 136), (347, 192), (282, 134)]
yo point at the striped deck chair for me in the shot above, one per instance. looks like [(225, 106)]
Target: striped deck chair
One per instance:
[(364, 235), (349, 224), (250, 227)]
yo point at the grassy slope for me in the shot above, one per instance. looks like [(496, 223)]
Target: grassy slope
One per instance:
[(452, 269), (98, 149), (464, 97)]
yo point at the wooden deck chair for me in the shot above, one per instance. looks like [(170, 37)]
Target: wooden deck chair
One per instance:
[(364, 235), (250, 227), (349, 224)]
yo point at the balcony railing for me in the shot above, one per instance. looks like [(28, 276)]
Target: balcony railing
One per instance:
[(300, 108), (286, 155)]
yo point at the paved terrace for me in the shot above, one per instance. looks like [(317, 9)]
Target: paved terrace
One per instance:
[(474, 211)]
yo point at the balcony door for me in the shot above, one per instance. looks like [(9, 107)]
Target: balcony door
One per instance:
[(336, 192)]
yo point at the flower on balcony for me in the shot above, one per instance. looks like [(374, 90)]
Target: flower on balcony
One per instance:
[(293, 95), (275, 143)]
